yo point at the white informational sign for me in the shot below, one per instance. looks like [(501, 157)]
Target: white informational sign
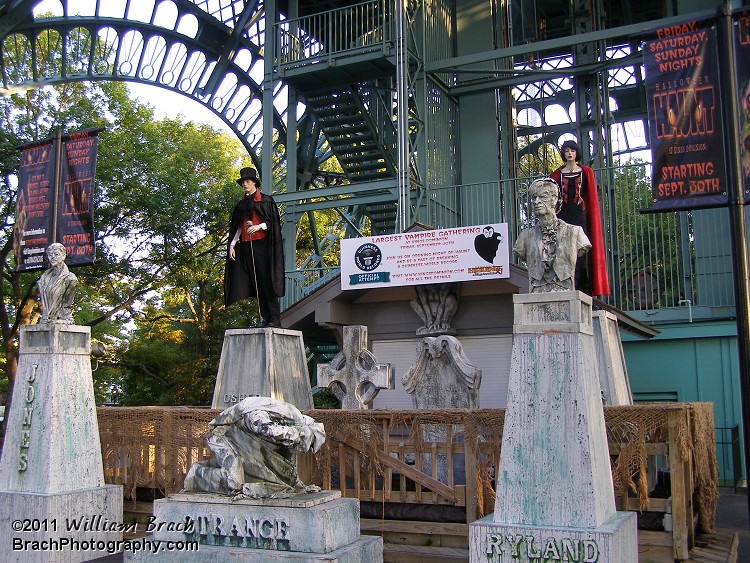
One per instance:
[(443, 255)]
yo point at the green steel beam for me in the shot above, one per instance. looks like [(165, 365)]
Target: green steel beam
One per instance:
[(335, 191), (454, 64), (339, 202)]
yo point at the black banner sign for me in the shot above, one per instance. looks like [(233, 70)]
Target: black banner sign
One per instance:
[(75, 227), (742, 58), (38, 222), (684, 103), (35, 196)]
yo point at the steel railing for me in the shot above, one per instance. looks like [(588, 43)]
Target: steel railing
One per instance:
[(655, 261), (325, 34)]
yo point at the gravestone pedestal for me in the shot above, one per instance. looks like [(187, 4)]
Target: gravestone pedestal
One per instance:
[(613, 375), (263, 362), (555, 498), (442, 377), (54, 505), (310, 527)]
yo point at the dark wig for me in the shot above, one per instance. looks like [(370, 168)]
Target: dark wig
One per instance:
[(570, 145)]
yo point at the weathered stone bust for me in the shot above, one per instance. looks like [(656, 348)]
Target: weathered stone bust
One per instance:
[(57, 288), (551, 247)]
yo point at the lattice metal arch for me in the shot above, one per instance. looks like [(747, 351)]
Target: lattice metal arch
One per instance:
[(208, 50)]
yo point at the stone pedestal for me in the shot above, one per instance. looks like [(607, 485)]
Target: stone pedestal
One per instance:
[(554, 484), (613, 375), (311, 527), (51, 473), (263, 362), (614, 541)]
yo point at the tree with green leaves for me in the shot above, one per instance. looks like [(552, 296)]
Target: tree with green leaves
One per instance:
[(163, 193)]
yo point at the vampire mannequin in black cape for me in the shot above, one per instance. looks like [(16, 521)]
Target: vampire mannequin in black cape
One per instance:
[(257, 264)]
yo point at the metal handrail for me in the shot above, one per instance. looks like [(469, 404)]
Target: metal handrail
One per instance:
[(324, 34)]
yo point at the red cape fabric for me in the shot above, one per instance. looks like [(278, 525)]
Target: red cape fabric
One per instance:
[(591, 199)]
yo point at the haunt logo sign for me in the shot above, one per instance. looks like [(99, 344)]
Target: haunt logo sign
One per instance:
[(684, 99)]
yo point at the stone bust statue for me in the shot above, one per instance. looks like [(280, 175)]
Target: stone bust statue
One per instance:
[(57, 287), (551, 247)]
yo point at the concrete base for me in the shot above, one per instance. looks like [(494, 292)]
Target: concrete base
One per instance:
[(61, 527), (367, 549), (311, 527), (615, 541), (263, 362)]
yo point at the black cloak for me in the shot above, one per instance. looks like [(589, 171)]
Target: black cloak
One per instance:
[(237, 285)]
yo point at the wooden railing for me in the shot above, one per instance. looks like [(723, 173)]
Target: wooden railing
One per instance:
[(443, 458)]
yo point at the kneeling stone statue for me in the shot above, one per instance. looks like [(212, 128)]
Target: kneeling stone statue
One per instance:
[(255, 445)]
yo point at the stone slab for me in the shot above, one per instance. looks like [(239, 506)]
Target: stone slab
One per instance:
[(263, 362), (306, 500), (615, 541), (52, 436), (366, 549), (267, 524), (613, 375), (61, 527)]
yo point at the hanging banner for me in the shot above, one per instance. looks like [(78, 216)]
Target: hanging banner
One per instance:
[(684, 104), (421, 257), (75, 224), (742, 58), (33, 229), (39, 221)]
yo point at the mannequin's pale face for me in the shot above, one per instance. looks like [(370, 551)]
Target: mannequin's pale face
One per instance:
[(249, 187)]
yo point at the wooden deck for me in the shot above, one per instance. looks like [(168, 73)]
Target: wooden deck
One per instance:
[(428, 542)]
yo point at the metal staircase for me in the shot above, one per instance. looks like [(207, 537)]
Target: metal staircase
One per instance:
[(352, 134), (365, 152)]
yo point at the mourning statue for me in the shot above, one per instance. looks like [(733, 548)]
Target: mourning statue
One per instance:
[(255, 444), (550, 247), (57, 287)]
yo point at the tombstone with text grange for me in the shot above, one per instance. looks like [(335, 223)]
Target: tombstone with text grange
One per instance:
[(247, 502), (354, 375), (51, 469)]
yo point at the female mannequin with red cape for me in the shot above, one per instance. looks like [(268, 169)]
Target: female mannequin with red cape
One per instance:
[(581, 207)]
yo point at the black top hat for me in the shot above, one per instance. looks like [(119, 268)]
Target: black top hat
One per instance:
[(248, 174)]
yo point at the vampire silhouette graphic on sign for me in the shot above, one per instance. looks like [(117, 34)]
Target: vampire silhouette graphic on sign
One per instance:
[(487, 243)]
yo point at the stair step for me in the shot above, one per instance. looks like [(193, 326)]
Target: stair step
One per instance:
[(363, 157), (348, 129)]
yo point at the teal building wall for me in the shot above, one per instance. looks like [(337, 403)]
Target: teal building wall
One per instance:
[(692, 362)]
